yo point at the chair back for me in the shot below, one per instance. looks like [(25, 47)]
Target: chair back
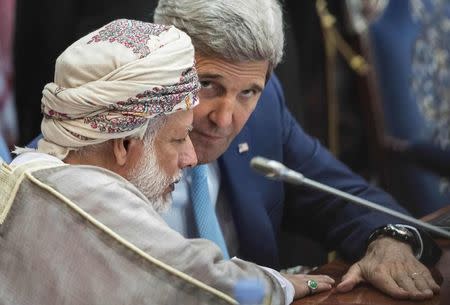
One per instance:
[(410, 45)]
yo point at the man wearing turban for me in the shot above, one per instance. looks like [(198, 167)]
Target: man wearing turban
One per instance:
[(79, 216)]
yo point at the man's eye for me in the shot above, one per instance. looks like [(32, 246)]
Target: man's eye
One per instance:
[(210, 90), (181, 140), (206, 84), (248, 93)]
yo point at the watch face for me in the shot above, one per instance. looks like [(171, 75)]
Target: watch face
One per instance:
[(399, 231)]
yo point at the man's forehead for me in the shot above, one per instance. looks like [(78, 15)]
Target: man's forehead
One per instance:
[(252, 72)]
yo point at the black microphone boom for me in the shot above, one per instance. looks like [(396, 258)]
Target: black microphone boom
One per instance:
[(277, 171)]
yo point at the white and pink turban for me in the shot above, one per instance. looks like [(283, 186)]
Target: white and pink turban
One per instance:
[(110, 83)]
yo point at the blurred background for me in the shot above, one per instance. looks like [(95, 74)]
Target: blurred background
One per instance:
[(369, 78)]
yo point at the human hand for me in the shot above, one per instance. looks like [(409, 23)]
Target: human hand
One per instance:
[(390, 266), (300, 283)]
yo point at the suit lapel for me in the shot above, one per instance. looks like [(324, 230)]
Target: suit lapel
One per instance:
[(253, 226)]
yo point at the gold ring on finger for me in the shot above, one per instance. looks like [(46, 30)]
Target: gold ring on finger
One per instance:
[(414, 275)]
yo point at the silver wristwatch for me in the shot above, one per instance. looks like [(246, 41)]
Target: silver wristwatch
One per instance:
[(404, 233)]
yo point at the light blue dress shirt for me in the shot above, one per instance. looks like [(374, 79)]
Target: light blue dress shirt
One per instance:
[(180, 216)]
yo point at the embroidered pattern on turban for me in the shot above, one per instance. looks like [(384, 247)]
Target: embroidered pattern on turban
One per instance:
[(110, 83)]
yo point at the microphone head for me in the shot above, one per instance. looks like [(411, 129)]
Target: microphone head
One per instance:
[(269, 168)]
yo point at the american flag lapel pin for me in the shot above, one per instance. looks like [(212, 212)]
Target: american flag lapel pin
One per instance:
[(243, 147)]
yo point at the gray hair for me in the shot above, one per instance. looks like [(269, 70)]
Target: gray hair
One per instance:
[(235, 30)]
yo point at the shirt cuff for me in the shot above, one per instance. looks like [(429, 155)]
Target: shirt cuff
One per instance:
[(285, 284)]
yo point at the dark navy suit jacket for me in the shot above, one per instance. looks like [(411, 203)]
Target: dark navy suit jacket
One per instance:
[(260, 205)]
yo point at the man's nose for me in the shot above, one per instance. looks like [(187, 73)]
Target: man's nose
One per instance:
[(222, 114), (189, 157)]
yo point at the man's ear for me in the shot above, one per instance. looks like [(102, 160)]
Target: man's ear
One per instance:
[(124, 150)]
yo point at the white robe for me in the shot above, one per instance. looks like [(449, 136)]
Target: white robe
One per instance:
[(84, 235)]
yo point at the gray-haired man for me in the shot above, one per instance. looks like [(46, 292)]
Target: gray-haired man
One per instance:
[(242, 114)]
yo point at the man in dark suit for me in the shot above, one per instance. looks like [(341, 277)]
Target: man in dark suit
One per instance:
[(243, 114)]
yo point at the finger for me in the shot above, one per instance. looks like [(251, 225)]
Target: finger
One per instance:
[(388, 285), (431, 282), (300, 282), (321, 287), (350, 279), (422, 285), (302, 289), (322, 279), (407, 283), (424, 280)]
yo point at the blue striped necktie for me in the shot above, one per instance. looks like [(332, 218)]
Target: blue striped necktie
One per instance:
[(205, 215)]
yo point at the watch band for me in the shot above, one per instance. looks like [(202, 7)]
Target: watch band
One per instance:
[(418, 240)]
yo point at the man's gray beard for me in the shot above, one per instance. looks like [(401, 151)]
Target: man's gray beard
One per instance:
[(150, 179)]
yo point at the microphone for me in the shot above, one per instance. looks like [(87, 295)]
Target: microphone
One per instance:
[(277, 171)]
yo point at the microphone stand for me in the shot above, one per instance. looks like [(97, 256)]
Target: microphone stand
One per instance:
[(277, 171)]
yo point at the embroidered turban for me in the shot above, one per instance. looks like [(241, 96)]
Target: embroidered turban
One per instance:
[(111, 82)]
